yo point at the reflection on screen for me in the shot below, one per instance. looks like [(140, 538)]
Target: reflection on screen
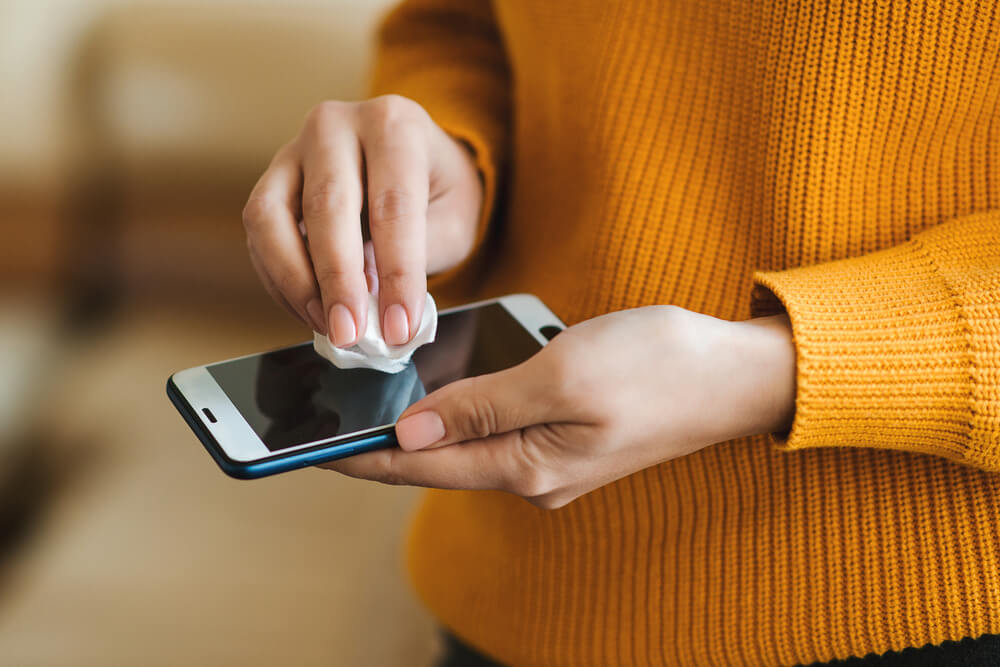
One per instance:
[(293, 396)]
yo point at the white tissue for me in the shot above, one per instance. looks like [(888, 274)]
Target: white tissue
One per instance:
[(371, 350)]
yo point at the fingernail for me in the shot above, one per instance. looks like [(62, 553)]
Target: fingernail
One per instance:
[(420, 430), (315, 310), (395, 329), (342, 325)]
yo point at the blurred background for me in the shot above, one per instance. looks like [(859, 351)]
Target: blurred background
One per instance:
[(131, 133)]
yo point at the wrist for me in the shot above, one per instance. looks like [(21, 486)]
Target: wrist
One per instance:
[(767, 365)]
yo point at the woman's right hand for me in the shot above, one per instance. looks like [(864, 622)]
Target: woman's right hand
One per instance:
[(423, 194)]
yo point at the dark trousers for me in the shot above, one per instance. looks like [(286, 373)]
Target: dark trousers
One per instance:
[(980, 652)]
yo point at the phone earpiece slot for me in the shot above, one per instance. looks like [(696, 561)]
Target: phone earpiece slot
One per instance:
[(550, 331)]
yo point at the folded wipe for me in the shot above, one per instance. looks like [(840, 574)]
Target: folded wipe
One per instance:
[(371, 350)]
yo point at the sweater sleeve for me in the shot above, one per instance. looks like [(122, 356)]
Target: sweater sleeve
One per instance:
[(448, 56), (898, 349)]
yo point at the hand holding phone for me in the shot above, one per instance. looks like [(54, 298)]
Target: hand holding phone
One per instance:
[(608, 397), (290, 408)]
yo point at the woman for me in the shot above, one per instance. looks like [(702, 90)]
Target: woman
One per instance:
[(773, 434)]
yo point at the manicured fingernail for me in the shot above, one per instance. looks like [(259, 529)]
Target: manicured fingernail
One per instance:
[(315, 310), (342, 325), (396, 329), (420, 430)]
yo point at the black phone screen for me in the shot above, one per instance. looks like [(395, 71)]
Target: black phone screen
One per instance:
[(294, 396)]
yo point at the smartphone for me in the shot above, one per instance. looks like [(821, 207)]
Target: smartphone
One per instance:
[(290, 408)]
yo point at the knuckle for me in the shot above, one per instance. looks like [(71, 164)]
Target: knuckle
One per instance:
[(392, 206), (390, 477), (534, 479), (257, 210), (335, 276), (478, 418), (379, 470), (288, 150), (326, 197), (394, 281), (548, 502), (392, 110), (325, 114), (387, 471), (533, 482), (287, 281)]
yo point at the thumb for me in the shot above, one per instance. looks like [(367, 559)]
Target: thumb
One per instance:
[(476, 408)]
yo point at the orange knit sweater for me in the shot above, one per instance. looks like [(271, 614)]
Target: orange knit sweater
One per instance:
[(844, 157)]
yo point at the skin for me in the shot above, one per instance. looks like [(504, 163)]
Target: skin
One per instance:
[(423, 196), (606, 398)]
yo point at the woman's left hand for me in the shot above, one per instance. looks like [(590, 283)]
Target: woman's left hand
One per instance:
[(605, 398)]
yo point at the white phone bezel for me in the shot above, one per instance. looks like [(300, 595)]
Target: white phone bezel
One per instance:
[(237, 439)]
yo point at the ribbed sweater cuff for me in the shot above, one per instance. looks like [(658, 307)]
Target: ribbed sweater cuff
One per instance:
[(883, 352)]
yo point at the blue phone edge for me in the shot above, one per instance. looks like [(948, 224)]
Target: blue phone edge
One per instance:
[(279, 462)]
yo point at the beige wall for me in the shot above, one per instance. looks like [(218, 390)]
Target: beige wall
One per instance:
[(40, 41), (176, 106)]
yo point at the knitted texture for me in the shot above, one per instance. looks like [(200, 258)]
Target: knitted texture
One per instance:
[(837, 160)]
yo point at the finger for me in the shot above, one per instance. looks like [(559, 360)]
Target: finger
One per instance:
[(482, 406), (397, 163), (371, 269), (485, 464), (270, 287), (331, 203), (269, 218)]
